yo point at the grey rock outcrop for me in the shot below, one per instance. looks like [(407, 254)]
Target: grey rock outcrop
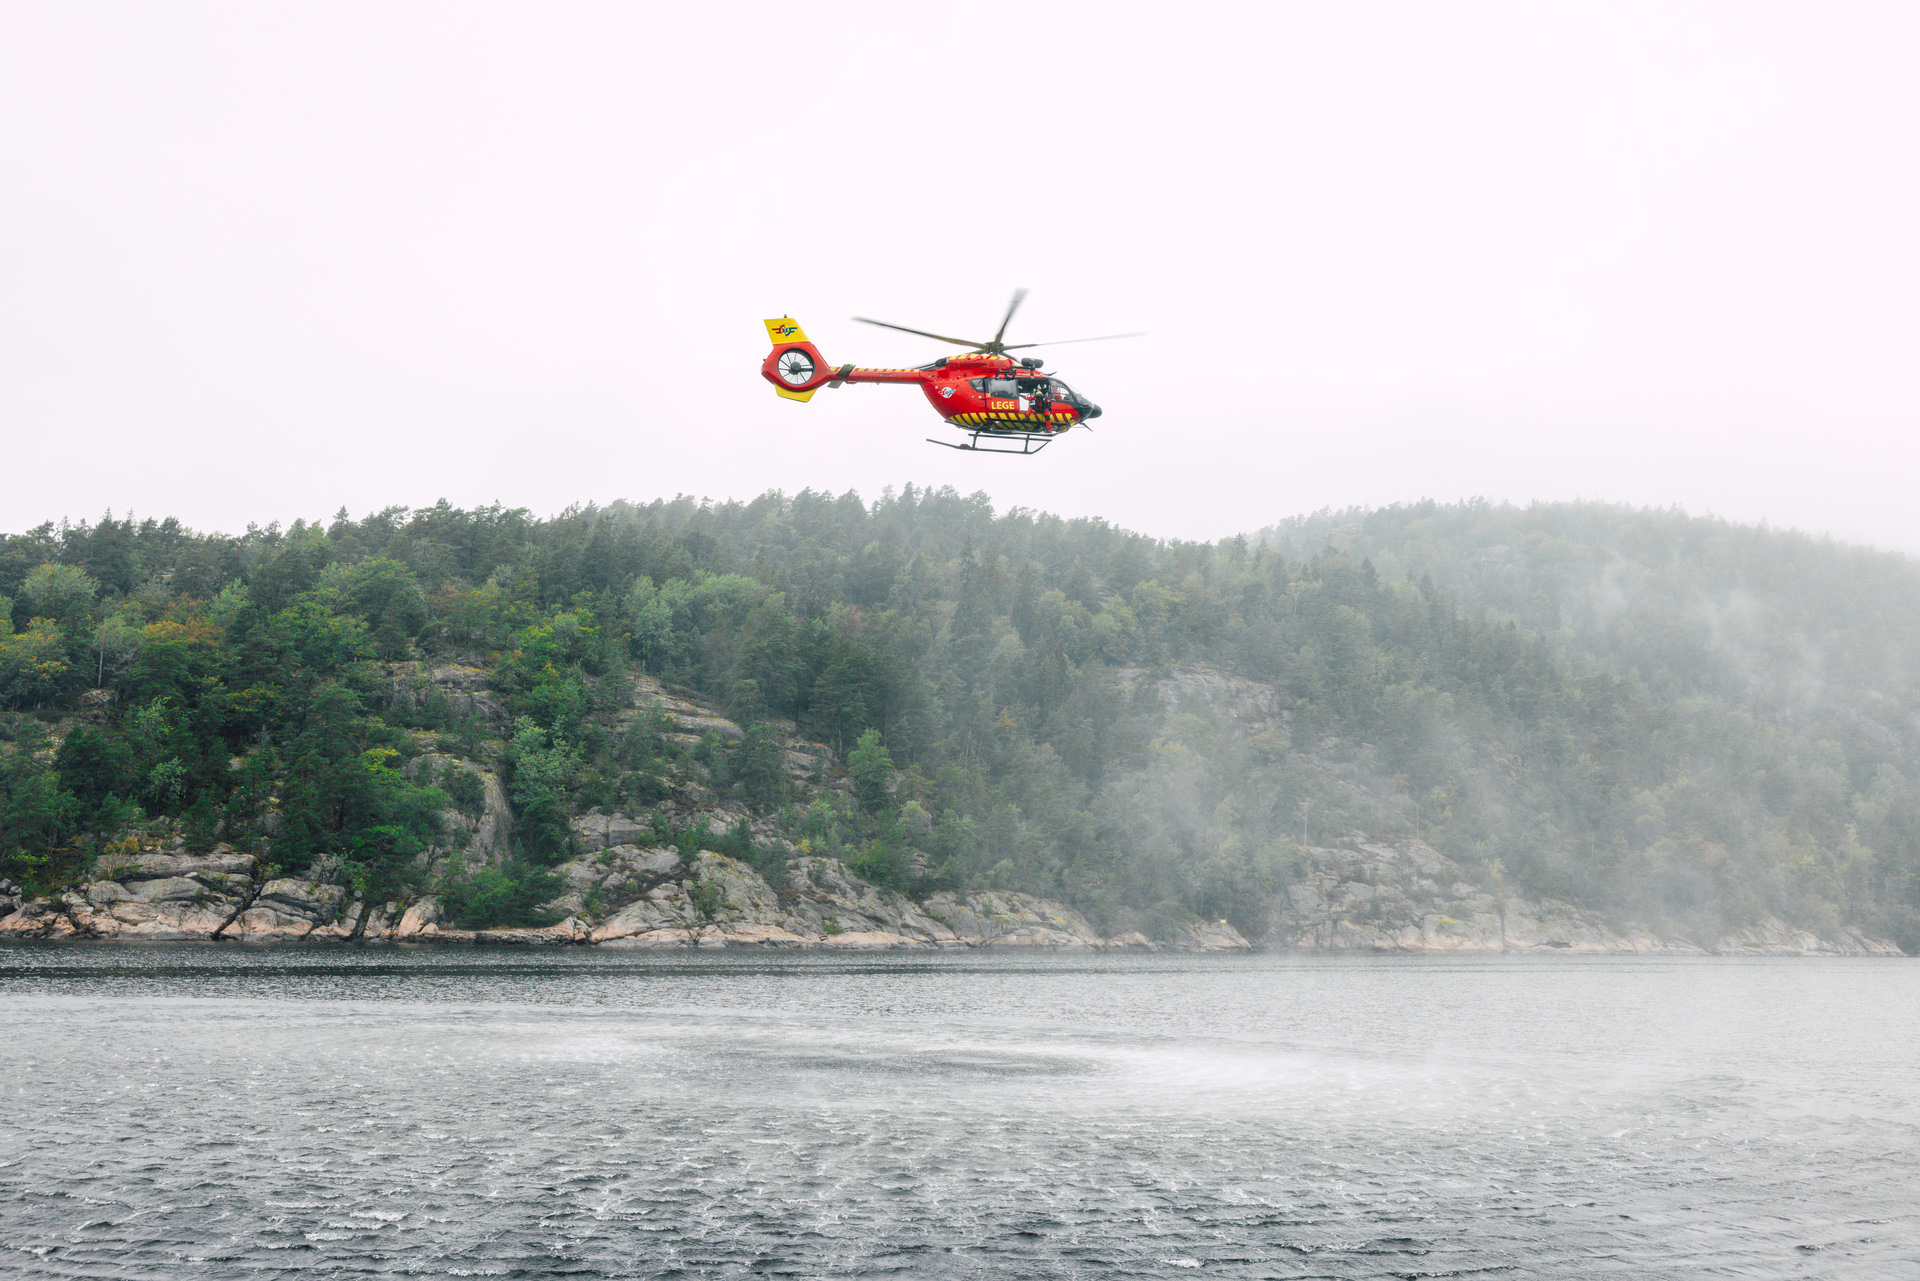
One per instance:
[(690, 720), (1403, 896), (597, 831), (465, 688), (221, 861), (1373, 896), (725, 903), (476, 840), (166, 894)]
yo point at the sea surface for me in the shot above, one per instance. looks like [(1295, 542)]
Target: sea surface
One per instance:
[(245, 1111)]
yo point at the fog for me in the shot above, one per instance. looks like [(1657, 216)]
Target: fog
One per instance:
[(264, 262)]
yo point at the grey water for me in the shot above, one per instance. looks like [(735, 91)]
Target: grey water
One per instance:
[(203, 1111)]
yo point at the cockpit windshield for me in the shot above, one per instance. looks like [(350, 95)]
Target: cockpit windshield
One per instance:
[(1041, 389)]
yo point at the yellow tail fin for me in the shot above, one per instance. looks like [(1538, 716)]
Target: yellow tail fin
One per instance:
[(795, 366)]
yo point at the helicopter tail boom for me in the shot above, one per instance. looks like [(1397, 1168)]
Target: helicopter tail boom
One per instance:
[(857, 375), (796, 368)]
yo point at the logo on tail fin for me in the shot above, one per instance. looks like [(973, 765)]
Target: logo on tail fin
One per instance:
[(795, 366)]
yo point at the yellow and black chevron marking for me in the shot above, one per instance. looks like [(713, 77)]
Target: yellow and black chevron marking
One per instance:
[(1023, 420)]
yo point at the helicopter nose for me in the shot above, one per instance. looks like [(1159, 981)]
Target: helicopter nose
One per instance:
[(1091, 411)]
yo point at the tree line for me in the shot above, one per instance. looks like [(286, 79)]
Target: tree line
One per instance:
[(1651, 714)]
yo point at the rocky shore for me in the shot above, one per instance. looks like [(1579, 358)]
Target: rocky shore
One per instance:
[(1367, 897), (712, 901), (623, 890), (1403, 896)]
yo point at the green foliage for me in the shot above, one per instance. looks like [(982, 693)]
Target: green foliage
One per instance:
[(1648, 713), (542, 764), (94, 768), (689, 841), (737, 842), (543, 678), (770, 861), (158, 743), (497, 898), (200, 825), (166, 786), (872, 768), (759, 767), (885, 863), (34, 667), (467, 793), (649, 620), (63, 593), (825, 826), (36, 814), (541, 831)]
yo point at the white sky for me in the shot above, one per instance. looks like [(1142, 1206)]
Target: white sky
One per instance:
[(261, 260)]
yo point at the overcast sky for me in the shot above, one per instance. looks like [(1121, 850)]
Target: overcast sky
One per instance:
[(261, 261)]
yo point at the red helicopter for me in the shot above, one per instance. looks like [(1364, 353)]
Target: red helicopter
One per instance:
[(997, 400)]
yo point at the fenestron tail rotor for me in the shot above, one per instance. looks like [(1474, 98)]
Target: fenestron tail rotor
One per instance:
[(997, 345)]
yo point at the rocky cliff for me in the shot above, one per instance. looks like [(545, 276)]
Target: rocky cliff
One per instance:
[(624, 889)]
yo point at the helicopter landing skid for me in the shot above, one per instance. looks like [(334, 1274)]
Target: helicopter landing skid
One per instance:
[(1029, 444)]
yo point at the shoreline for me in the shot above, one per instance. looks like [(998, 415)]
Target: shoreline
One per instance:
[(537, 939), (629, 897)]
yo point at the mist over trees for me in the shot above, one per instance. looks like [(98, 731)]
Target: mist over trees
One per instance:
[(1663, 717)]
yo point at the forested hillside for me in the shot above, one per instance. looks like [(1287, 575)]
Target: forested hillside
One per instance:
[(1769, 678), (1663, 718)]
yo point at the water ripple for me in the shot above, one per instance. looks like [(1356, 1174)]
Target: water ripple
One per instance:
[(347, 1114)]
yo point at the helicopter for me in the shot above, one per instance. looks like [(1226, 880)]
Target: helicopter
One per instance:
[(998, 400)]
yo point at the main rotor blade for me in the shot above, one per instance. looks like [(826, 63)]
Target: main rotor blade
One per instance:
[(1012, 307), (957, 342), (1064, 341)]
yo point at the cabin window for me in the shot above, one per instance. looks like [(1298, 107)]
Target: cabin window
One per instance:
[(1003, 388)]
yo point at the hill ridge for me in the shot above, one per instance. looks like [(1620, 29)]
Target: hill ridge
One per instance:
[(1657, 718)]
